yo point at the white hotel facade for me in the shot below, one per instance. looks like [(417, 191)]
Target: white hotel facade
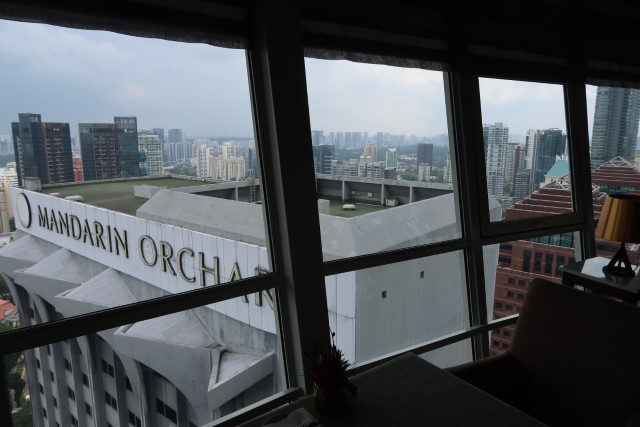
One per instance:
[(192, 367)]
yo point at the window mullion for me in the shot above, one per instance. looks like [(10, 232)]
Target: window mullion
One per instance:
[(462, 98), (280, 94), (578, 130)]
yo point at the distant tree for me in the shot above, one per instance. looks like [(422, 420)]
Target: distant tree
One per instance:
[(438, 174), (408, 176), (23, 418), (184, 169), (4, 289)]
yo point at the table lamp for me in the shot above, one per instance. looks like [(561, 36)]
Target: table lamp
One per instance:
[(620, 222)]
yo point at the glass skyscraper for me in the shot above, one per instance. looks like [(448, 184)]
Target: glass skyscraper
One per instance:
[(127, 134), (615, 124), (43, 149)]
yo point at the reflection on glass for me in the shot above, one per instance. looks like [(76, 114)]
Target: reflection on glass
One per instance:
[(130, 375), (526, 150), (384, 169), (511, 266)]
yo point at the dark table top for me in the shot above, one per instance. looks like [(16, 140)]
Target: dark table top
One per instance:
[(589, 272), (410, 391)]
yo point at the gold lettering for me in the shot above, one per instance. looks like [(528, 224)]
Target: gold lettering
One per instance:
[(235, 272), (204, 269), (76, 232), (53, 221), (99, 230), (268, 297), (64, 223), (181, 271), (122, 243), (258, 296), (143, 256), (86, 231), (166, 256), (43, 217), (109, 241)]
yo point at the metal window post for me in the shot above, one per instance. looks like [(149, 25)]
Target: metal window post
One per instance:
[(278, 83), (578, 129), (462, 97)]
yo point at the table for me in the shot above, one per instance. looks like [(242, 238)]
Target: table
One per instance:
[(589, 274), (410, 391)]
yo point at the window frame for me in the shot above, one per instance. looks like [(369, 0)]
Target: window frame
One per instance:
[(270, 65)]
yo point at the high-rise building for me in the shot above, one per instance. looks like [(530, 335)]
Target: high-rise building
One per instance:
[(425, 154), (522, 184), (175, 135), (177, 152), (496, 138), (229, 149), (100, 151), (150, 149), (160, 133), (615, 124), (43, 149), (323, 154), (10, 175), (344, 167), (390, 173), (127, 135), (370, 153), (510, 164), (424, 172), (519, 160), (317, 137), (391, 158), (547, 145), (227, 168), (375, 170), (447, 175), (202, 156)]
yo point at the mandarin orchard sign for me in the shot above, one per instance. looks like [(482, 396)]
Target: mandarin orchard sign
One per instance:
[(172, 258)]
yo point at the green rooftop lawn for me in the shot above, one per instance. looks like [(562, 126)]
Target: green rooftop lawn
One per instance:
[(117, 196), (361, 208)]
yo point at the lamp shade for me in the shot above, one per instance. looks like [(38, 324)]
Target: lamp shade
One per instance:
[(620, 219)]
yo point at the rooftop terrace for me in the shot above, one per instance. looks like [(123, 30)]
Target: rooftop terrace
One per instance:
[(116, 195)]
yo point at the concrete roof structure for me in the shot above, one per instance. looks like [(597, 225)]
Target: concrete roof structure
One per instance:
[(224, 353), (72, 284), (223, 217), (117, 194)]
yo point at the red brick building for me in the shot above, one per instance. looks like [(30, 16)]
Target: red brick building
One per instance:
[(521, 261)]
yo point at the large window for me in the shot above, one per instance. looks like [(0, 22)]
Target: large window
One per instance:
[(526, 149), (228, 202), (130, 172), (383, 158), (380, 310), (535, 257), (129, 375), (149, 180), (613, 115)]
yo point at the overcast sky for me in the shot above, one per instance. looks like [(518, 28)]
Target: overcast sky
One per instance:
[(90, 76)]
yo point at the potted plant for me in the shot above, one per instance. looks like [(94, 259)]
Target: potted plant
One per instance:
[(332, 388)]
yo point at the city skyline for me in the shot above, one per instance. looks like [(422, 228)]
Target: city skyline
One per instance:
[(56, 71)]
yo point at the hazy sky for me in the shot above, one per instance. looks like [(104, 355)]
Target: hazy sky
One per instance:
[(90, 76)]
